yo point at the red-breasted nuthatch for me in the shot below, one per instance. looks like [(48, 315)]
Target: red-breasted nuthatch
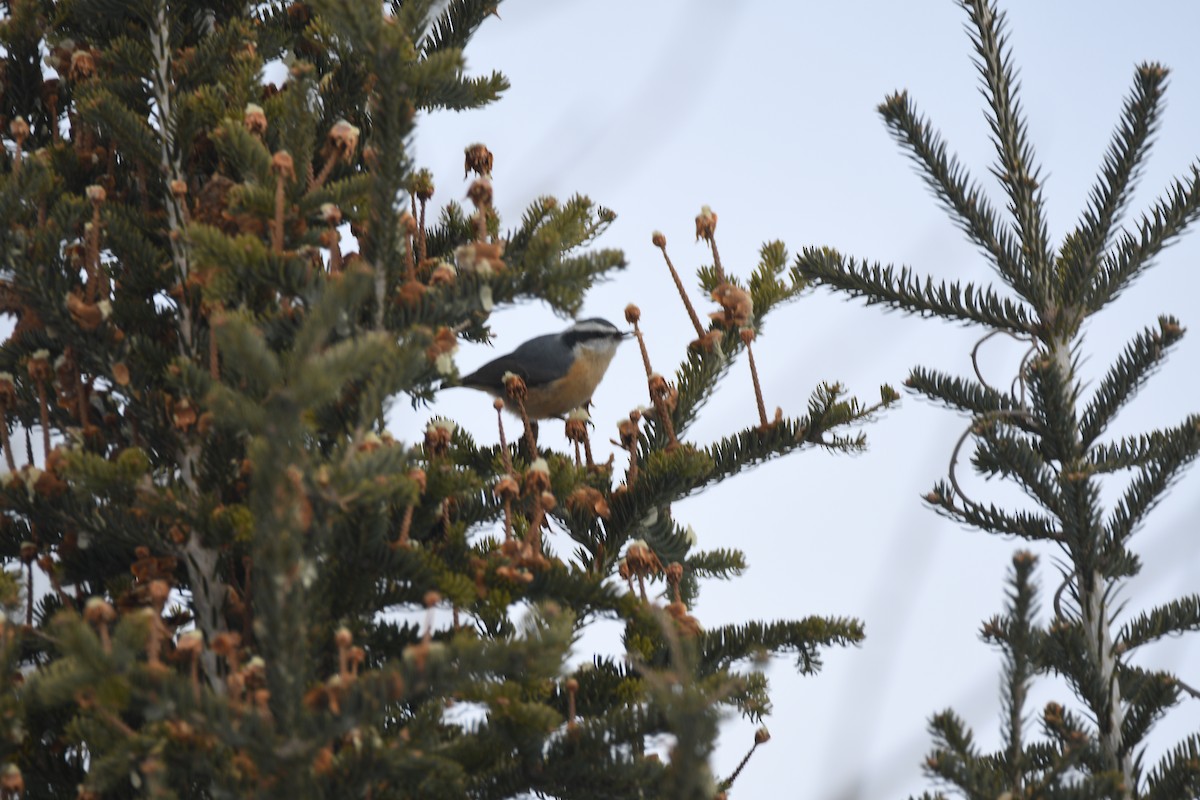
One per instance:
[(560, 370)]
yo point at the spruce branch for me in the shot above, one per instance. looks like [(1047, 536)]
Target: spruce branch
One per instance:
[(755, 445), (1136, 250), (1127, 374), (958, 393), (1020, 643), (904, 291), (766, 285), (1118, 176), (457, 23), (955, 760), (1149, 694), (982, 426), (949, 181), (695, 379), (725, 646), (439, 82), (1001, 451), (1178, 774), (1016, 169), (1054, 396), (1140, 450), (991, 518), (1148, 486), (101, 107), (720, 563)]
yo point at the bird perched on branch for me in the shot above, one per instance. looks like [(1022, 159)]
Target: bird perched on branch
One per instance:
[(560, 370)]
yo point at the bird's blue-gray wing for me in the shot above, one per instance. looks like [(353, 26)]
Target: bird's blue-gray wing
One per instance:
[(538, 361)]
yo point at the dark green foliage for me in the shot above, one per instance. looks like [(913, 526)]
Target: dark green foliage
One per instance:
[(1126, 375), (949, 181), (1043, 435), (1066, 763), (1109, 196), (904, 290), (248, 586)]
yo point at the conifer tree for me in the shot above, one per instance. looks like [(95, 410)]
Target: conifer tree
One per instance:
[(236, 581), (1046, 433)]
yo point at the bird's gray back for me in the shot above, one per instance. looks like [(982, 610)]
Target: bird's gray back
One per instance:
[(538, 361)]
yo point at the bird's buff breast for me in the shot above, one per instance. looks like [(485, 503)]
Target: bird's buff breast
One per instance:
[(571, 391)]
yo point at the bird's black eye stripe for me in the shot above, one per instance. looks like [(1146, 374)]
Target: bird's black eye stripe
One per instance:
[(577, 336)]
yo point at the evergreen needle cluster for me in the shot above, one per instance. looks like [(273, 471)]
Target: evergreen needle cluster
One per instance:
[(237, 582)]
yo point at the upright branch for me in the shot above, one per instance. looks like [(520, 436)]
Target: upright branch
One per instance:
[(162, 81), (1016, 167)]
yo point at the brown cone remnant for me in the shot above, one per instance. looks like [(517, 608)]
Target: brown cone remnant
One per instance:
[(577, 432), (642, 563), (255, 120), (659, 389), (706, 229), (478, 160), (422, 189), (514, 386), (340, 145), (737, 307)]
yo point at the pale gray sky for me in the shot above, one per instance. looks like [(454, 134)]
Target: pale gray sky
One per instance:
[(766, 112)]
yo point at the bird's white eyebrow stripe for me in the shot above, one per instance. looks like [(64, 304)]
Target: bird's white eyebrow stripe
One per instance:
[(589, 332), (589, 326)]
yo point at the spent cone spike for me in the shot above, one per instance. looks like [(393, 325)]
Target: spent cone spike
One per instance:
[(508, 468), (706, 229), (660, 242), (747, 335), (514, 385), (285, 170), (656, 384), (577, 432)]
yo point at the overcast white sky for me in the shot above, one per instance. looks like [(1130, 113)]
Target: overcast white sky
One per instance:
[(766, 112)]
